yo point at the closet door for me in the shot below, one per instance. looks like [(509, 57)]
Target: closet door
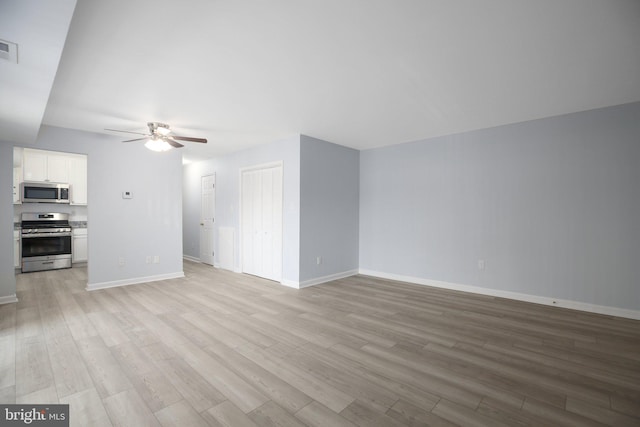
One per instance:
[(251, 203), (262, 222), (271, 181), (207, 214)]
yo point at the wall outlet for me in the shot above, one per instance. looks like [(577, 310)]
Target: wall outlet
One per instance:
[(148, 259), (121, 261), (481, 264), (156, 259)]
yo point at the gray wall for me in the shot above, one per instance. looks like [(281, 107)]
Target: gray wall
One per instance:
[(551, 205), (149, 224), (7, 276), (227, 171), (329, 205)]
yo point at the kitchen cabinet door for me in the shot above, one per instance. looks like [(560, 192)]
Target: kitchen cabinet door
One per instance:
[(16, 248), (78, 179), (17, 180), (17, 174), (57, 168), (34, 165), (45, 166), (79, 250)]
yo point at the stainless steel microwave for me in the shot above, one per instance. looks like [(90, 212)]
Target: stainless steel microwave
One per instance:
[(44, 192)]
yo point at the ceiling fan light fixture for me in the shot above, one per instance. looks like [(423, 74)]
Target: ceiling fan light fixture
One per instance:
[(157, 144), (160, 138)]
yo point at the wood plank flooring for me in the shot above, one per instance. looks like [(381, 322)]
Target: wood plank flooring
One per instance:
[(221, 349)]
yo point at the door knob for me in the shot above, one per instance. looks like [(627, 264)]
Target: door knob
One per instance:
[(202, 223)]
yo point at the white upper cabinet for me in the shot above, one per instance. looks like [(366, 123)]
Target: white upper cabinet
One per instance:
[(17, 180), (45, 166), (52, 166), (58, 168), (17, 174), (34, 165), (78, 179)]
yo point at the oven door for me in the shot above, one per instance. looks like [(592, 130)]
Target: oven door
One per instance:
[(46, 251), (46, 244)]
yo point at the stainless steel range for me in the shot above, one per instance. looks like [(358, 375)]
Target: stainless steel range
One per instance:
[(46, 241)]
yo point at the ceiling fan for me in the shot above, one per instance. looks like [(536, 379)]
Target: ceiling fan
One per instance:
[(160, 138)]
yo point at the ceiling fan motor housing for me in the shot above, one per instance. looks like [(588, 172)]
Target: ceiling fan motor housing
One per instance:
[(157, 127)]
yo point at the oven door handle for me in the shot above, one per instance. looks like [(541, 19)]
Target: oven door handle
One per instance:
[(63, 234)]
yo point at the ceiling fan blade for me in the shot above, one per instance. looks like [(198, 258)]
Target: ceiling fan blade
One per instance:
[(128, 131), (173, 143), (137, 139), (188, 138)]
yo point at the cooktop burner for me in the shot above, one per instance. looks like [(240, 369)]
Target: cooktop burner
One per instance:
[(45, 223)]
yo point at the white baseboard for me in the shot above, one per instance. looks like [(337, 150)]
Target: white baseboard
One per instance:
[(134, 281), (191, 258), (318, 280), (221, 267), (575, 305), (290, 283), (325, 279), (8, 299)]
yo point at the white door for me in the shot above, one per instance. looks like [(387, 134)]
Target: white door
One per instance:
[(207, 211), (261, 221)]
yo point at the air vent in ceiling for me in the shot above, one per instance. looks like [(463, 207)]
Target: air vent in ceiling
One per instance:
[(9, 51)]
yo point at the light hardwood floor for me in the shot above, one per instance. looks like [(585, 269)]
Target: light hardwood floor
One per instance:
[(223, 349)]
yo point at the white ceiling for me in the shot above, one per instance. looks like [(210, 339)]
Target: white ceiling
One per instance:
[(361, 73), (39, 29)]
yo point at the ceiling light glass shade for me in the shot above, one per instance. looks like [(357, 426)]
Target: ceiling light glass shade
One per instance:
[(157, 145)]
